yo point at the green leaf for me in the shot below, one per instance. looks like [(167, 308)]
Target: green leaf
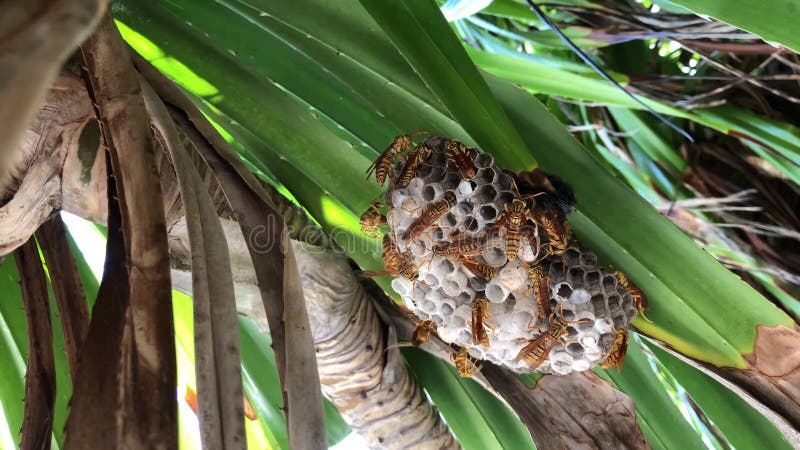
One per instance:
[(777, 142), (775, 21), (743, 426), (13, 348), (653, 144), (655, 409), (420, 32), (13, 351), (478, 419)]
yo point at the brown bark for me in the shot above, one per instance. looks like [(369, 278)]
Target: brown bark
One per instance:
[(36, 37), (580, 410), (52, 137), (40, 378)]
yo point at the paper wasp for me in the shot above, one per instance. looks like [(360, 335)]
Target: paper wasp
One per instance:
[(617, 355), (430, 215), (480, 312), (458, 154), (511, 219), (383, 164), (465, 365), (478, 268), (372, 220), (639, 300), (558, 231), (537, 350), (422, 333), (540, 284), (395, 263), (412, 163), (466, 246)]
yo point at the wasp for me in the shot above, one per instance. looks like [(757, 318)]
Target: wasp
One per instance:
[(511, 219), (558, 232), (540, 284), (395, 263), (617, 355), (639, 300), (478, 268), (430, 215), (480, 311), (538, 349), (467, 246), (383, 164), (458, 154), (372, 220), (465, 366), (412, 163), (422, 333)]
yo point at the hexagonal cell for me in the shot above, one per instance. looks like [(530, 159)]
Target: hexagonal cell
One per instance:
[(485, 177), (484, 194), (464, 207), (477, 284), (604, 325), (452, 180), (465, 188), (449, 220), (613, 302), (466, 296), (496, 292), (483, 160), (609, 284), (495, 256), (437, 174), (487, 213), (432, 192), (450, 287), (431, 280), (572, 257), (563, 290), (588, 259), (505, 182), (446, 308), (575, 275), (442, 266), (575, 349)]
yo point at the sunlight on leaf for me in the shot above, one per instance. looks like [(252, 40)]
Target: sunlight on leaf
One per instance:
[(167, 64)]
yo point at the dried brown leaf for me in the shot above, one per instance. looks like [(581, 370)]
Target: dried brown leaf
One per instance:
[(67, 286), (276, 270), (217, 358), (282, 294), (40, 378), (115, 398)]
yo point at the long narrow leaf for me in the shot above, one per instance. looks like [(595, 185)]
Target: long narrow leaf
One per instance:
[(774, 22), (40, 375)]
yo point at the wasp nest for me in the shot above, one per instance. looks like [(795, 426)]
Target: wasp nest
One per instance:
[(492, 269)]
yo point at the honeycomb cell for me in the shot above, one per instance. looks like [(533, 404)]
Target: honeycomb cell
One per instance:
[(483, 161)]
